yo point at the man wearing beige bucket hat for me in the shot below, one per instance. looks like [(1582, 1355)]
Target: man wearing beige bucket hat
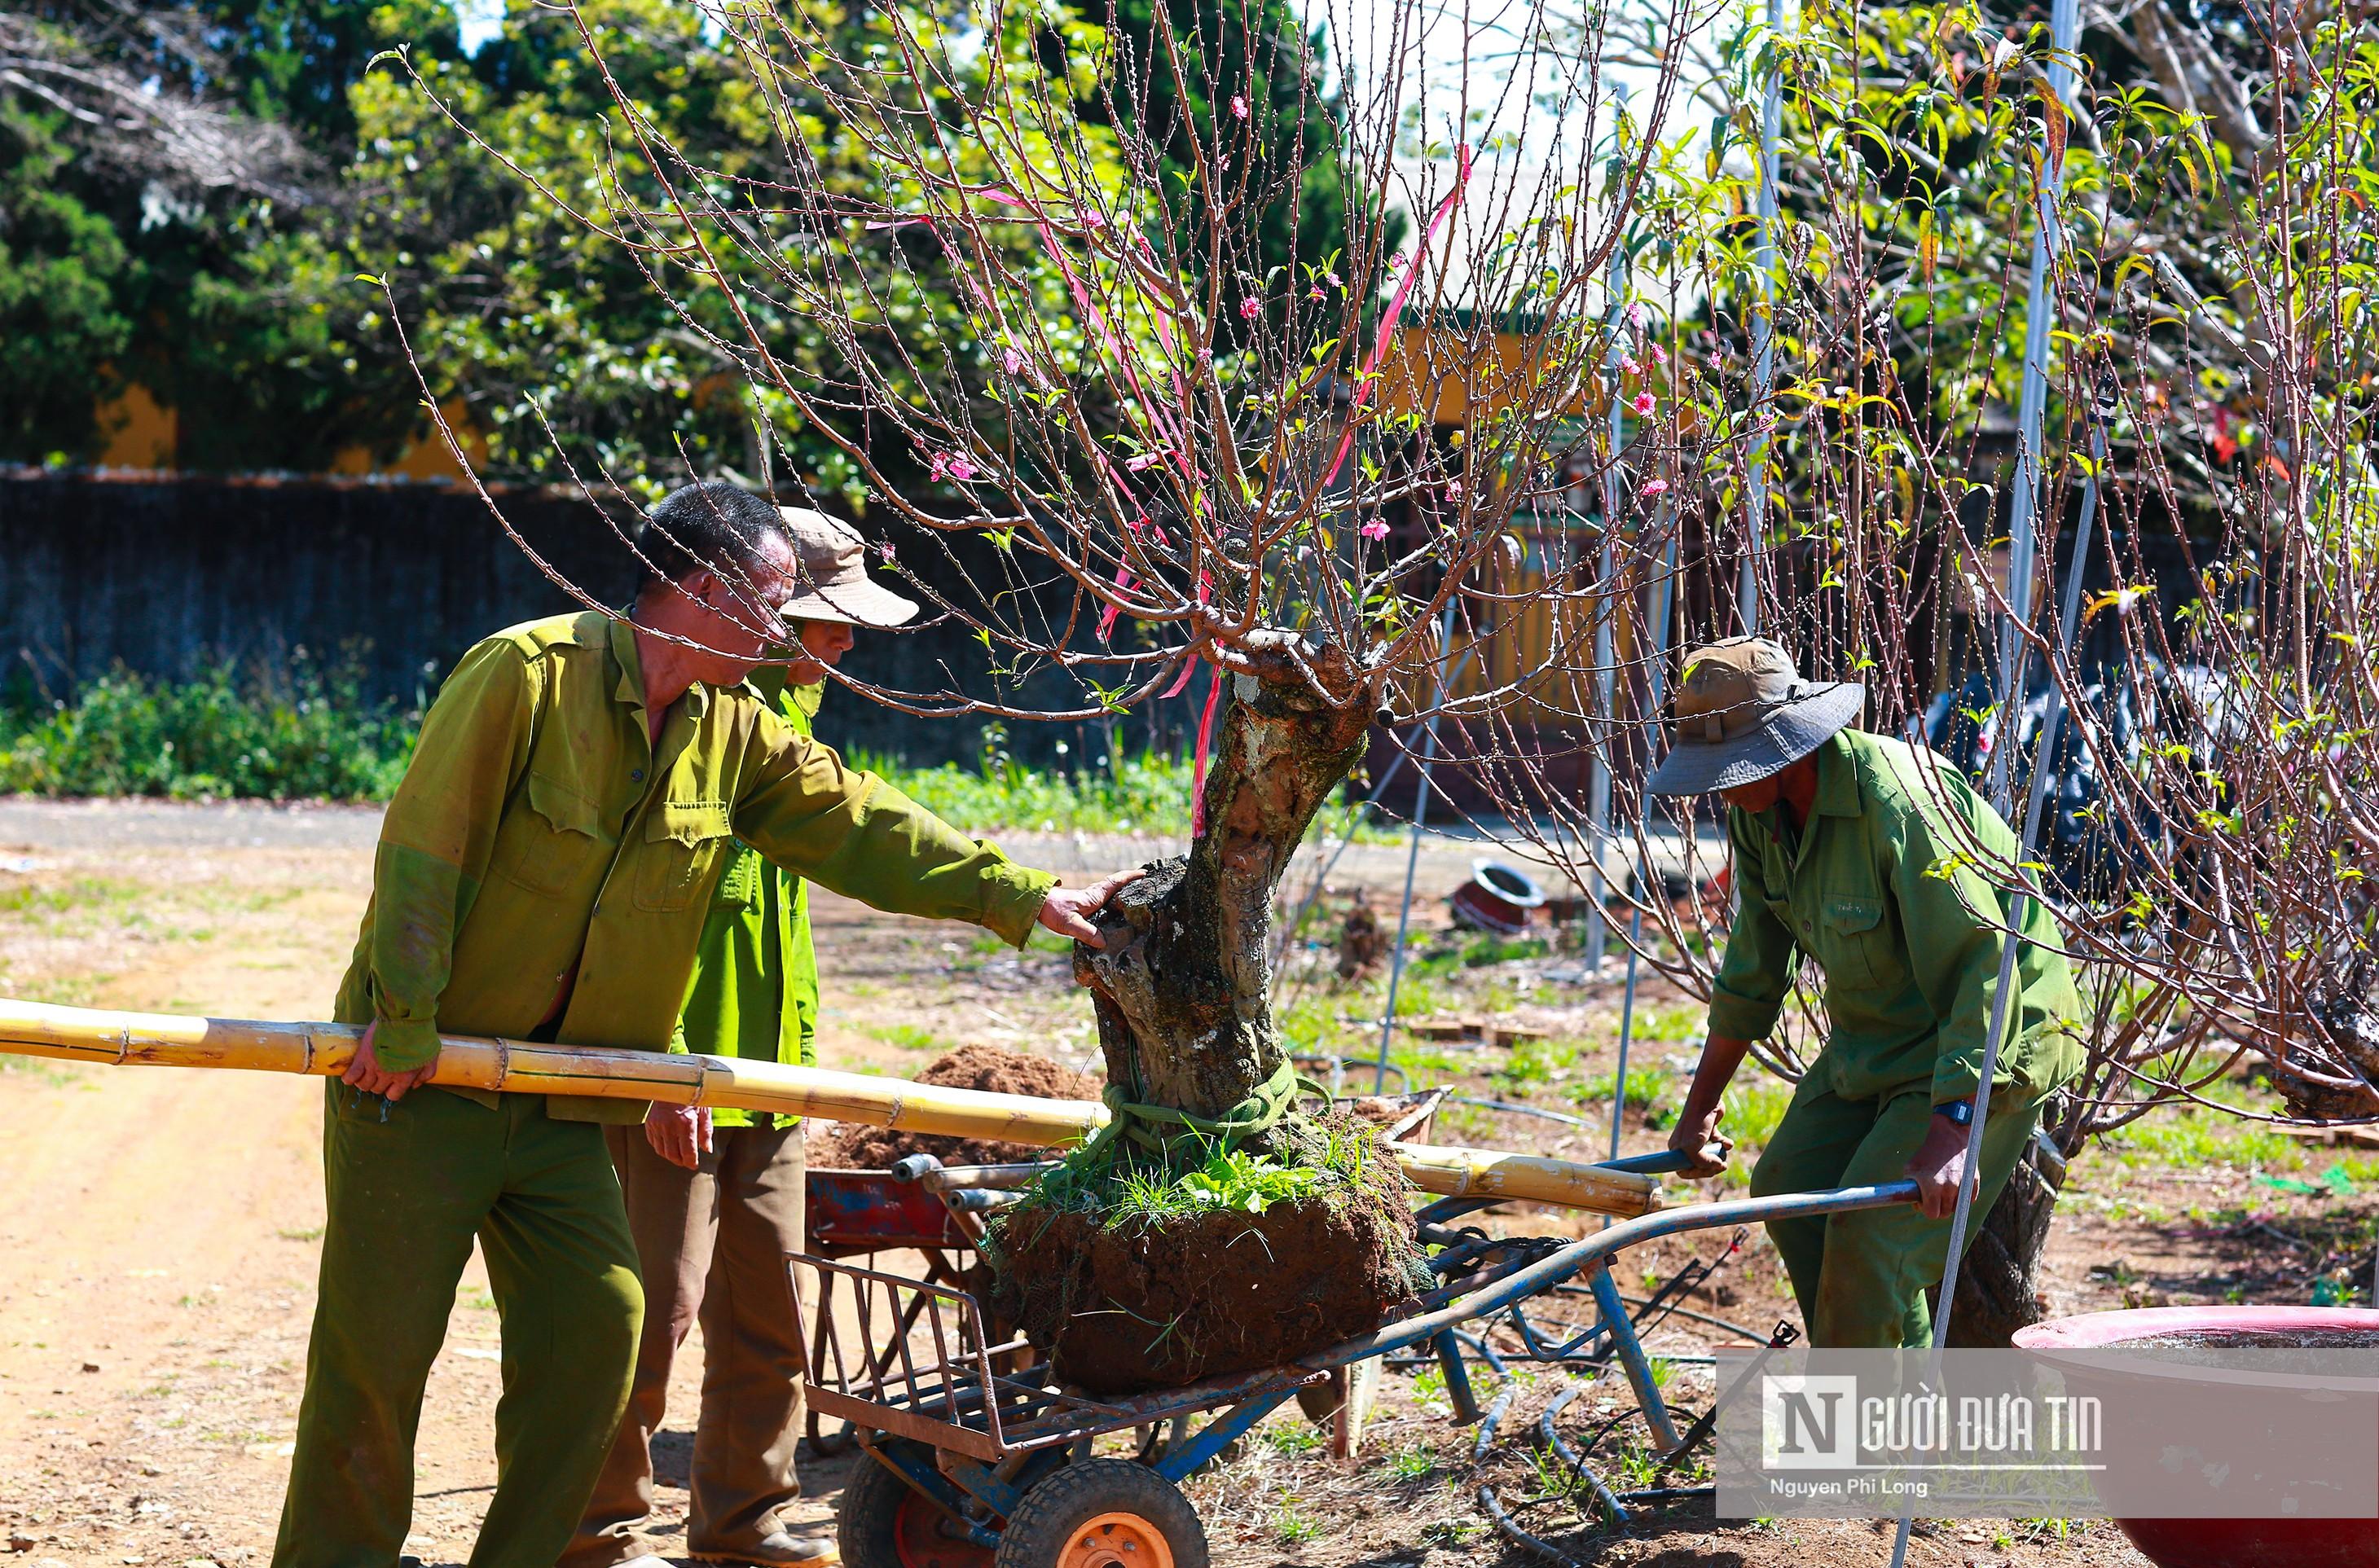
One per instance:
[(1861, 854), (714, 1198)]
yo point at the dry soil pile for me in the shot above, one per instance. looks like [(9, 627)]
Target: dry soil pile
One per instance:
[(853, 1146)]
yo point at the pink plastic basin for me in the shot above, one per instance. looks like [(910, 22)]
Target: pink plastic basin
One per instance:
[(2228, 1543)]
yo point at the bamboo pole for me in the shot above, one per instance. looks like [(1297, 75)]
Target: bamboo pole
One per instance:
[(323, 1050)]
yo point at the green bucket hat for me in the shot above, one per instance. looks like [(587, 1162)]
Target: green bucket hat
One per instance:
[(1742, 712)]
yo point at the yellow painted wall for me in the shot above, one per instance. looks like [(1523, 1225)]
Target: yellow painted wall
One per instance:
[(137, 431), (140, 431), (426, 457)]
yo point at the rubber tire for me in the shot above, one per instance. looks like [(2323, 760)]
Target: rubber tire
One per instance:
[(1052, 1510), (864, 1521)]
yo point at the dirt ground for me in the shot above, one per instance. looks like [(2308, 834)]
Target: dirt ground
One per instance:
[(162, 1227)]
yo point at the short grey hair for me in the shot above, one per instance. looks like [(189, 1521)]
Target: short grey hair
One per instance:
[(713, 525)]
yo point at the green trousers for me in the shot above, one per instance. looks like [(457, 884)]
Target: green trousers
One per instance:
[(409, 1186), (1861, 1278)]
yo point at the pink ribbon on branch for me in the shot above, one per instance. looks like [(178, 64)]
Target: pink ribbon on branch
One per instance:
[(1396, 309)]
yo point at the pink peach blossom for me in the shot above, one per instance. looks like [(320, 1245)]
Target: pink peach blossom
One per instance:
[(1645, 403), (1250, 307), (1627, 365), (1654, 487), (1238, 106), (1375, 530)]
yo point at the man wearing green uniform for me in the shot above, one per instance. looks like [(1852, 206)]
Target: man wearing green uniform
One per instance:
[(714, 1198), (1860, 852), (544, 872)]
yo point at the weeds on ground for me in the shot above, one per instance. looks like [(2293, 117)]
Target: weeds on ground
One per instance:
[(310, 735), (1475, 952), (2200, 1140), (1648, 1090), (1102, 794), (907, 1036), (1292, 1526), (1753, 1109)]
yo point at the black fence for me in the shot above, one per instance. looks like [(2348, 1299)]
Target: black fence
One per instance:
[(166, 577)]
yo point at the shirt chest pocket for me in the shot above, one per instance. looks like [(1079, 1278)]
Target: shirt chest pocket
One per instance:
[(685, 844), (1855, 948), (556, 844)]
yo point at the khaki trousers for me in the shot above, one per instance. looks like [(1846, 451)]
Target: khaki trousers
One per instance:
[(712, 1244)]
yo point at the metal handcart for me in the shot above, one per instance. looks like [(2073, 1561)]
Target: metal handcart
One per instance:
[(975, 1458)]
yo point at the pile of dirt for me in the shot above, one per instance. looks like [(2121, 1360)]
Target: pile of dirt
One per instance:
[(1124, 1309), (855, 1146)]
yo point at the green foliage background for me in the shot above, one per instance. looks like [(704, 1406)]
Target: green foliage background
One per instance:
[(247, 315)]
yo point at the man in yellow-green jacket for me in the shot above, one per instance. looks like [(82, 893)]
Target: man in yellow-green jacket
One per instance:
[(714, 1199), (1869, 857), (545, 871)]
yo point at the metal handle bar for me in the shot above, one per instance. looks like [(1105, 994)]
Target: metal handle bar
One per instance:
[(1553, 1269), (1664, 1163)]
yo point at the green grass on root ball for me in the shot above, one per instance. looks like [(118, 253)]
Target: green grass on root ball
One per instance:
[(1341, 1158)]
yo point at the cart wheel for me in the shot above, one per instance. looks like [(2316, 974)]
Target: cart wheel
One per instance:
[(1104, 1514), (884, 1523)]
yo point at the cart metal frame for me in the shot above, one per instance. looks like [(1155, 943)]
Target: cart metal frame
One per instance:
[(978, 1438)]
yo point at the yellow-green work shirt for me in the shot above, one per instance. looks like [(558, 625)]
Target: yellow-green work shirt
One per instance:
[(1881, 889), (538, 835), (755, 991)]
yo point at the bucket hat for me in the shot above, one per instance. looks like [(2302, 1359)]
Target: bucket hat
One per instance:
[(835, 585), (1742, 712)]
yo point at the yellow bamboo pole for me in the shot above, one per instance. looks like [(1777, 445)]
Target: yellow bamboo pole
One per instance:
[(323, 1050)]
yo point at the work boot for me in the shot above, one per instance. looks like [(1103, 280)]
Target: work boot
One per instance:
[(812, 1546)]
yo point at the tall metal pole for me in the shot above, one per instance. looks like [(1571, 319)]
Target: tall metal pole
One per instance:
[(1970, 1178), (1763, 336), (1598, 784), (1664, 595), (2023, 529), (1412, 850), (2065, 27)]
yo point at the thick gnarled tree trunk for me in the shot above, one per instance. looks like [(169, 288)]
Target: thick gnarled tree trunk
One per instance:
[(1182, 989)]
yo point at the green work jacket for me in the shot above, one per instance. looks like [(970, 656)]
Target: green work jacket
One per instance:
[(755, 991), (1880, 889), (541, 847)]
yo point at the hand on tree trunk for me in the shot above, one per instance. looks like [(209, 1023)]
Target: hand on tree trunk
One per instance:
[(1067, 911)]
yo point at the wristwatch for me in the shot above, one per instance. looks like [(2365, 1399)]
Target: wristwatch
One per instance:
[(1957, 1113)]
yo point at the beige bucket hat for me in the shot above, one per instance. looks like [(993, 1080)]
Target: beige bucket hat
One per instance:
[(1742, 712), (835, 585)]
